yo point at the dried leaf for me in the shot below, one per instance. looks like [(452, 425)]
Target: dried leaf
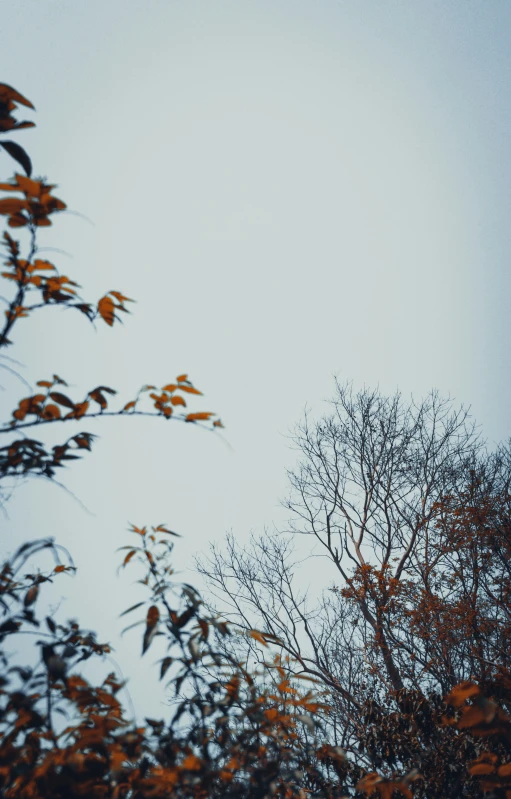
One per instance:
[(8, 94), (460, 693), (190, 390), (51, 412), (56, 396), (257, 636), (106, 309), (153, 616), (202, 416), (192, 763), (31, 596), (11, 205), (128, 557)]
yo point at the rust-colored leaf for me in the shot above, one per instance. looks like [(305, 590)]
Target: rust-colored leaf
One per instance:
[(31, 596), (153, 616), (128, 557), (257, 636), (32, 188), (51, 412), (192, 763), (190, 389), (201, 416), (8, 94), (83, 440), (98, 397), (11, 205), (80, 409), (481, 768), (460, 693), (120, 297), (106, 309)]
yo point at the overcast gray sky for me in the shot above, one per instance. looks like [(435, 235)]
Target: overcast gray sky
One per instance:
[(291, 190)]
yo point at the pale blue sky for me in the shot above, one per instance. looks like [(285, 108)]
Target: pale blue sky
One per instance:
[(289, 190)]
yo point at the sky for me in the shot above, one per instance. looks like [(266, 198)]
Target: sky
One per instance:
[(290, 190)]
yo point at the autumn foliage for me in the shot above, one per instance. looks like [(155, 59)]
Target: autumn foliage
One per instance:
[(244, 727)]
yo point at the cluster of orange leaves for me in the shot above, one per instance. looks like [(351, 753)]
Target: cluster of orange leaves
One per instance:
[(37, 282), (36, 205), (47, 406)]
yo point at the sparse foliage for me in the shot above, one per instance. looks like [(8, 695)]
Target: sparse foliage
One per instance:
[(36, 283), (411, 513), (397, 685)]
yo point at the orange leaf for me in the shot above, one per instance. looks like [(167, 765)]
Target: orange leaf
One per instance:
[(481, 768), (51, 412), (128, 557), (82, 440), (192, 763), (31, 596), (182, 378), (202, 416), (8, 94), (120, 297), (190, 389), (257, 636), (153, 616), (80, 409), (32, 188), (129, 405), (40, 266), (11, 205), (462, 692), (177, 400), (106, 310), (98, 397)]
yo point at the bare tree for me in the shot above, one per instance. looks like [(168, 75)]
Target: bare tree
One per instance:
[(412, 513)]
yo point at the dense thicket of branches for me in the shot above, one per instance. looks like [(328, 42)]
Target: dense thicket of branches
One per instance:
[(412, 513)]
